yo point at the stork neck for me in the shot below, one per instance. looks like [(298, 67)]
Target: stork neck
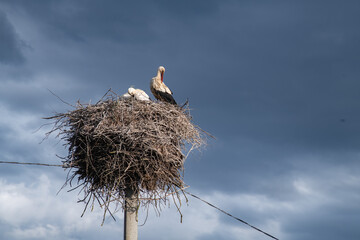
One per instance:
[(158, 76)]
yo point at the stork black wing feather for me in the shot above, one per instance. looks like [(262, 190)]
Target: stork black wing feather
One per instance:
[(165, 97)]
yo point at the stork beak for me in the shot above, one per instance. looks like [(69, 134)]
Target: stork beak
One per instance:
[(162, 76)]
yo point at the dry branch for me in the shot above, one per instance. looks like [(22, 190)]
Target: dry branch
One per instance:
[(117, 144)]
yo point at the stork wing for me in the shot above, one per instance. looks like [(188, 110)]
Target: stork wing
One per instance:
[(166, 97), (143, 96), (125, 96), (166, 89)]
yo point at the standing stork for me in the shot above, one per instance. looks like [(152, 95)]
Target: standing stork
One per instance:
[(159, 89)]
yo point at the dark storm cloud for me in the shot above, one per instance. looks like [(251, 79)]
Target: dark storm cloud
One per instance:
[(280, 83), (275, 81), (327, 224), (123, 21), (331, 215), (290, 66), (127, 40), (10, 46), (187, 8), (284, 72)]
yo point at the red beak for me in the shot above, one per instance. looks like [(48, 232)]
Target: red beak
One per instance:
[(162, 76)]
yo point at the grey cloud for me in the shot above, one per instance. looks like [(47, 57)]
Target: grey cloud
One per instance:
[(328, 223), (276, 82), (10, 46), (124, 21), (295, 75)]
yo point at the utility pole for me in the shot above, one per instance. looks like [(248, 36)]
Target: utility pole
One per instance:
[(130, 215)]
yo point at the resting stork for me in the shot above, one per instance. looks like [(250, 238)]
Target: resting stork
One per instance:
[(159, 89), (138, 94)]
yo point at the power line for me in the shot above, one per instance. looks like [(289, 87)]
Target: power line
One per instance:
[(38, 164), (67, 166), (257, 229)]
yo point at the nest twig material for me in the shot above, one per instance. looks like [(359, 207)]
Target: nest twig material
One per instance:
[(117, 144)]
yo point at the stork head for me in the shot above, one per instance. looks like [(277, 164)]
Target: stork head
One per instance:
[(131, 91), (162, 71)]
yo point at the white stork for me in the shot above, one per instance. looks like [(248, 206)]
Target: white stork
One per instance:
[(159, 89), (138, 94)]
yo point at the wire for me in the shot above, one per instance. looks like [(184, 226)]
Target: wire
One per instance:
[(38, 164), (67, 166), (231, 215)]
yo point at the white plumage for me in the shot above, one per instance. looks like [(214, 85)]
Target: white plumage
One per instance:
[(138, 94), (126, 96)]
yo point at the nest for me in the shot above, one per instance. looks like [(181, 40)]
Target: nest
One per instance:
[(119, 144)]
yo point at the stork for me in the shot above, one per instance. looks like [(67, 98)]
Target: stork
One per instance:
[(159, 89), (138, 94)]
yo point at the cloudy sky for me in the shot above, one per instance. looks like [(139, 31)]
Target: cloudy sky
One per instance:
[(276, 82)]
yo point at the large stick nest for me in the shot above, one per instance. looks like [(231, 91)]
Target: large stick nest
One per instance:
[(119, 144)]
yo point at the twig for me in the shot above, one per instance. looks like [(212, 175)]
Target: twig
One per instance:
[(61, 99)]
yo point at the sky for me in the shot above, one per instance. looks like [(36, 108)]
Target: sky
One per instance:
[(276, 82)]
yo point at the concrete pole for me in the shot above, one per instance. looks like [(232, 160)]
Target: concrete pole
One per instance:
[(130, 215)]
